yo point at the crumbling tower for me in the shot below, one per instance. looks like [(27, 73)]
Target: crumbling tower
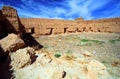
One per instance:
[(11, 15)]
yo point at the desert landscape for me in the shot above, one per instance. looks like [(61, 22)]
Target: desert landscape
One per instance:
[(58, 49)]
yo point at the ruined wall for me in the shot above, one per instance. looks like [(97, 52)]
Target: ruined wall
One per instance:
[(10, 14), (9, 21), (52, 26), (103, 25), (46, 26)]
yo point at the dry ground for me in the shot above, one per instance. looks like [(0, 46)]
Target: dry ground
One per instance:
[(74, 56), (104, 47)]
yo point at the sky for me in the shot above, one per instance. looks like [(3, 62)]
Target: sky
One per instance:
[(65, 9)]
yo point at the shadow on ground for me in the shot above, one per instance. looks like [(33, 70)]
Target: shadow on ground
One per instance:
[(5, 72), (30, 41)]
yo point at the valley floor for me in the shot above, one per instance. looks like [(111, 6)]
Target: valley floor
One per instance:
[(75, 56)]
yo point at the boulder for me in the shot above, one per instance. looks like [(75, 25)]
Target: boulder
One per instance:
[(11, 43), (22, 57)]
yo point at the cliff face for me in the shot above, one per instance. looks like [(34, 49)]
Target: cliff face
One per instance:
[(12, 23)]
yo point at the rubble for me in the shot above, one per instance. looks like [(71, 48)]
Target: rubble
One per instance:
[(11, 43), (22, 57)]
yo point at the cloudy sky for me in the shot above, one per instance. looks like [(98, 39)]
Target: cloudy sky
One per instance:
[(65, 9)]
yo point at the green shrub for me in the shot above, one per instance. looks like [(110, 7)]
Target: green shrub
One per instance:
[(89, 42), (113, 41), (104, 61), (57, 55), (85, 40)]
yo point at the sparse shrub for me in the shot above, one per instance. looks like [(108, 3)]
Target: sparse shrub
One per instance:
[(104, 61), (113, 41), (85, 40), (89, 42), (68, 57), (57, 55)]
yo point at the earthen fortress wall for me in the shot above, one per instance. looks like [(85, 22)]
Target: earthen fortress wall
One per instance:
[(10, 22), (55, 26)]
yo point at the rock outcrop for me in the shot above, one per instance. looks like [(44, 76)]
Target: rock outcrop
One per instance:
[(11, 43), (22, 57)]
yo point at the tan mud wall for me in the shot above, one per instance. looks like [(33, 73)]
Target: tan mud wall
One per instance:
[(55, 26), (40, 26), (11, 15), (9, 21)]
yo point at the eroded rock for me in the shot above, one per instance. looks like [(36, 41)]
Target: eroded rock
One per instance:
[(11, 43), (22, 57)]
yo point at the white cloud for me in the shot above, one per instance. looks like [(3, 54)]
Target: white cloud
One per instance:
[(80, 8)]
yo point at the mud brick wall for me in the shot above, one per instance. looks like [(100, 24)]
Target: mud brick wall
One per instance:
[(11, 15), (42, 26), (55, 26)]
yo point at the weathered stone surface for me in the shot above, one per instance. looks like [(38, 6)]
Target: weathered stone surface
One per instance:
[(11, 15), (11, 42), (97, 69), (10, 21), (22, 57)]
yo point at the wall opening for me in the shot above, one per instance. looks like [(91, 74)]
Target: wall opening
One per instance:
[(51, 30), (77, 30), (84, 28), (90, 27), (32, 30), (99, 31), (65, 29)]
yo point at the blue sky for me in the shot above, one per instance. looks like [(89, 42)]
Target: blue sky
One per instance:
[(65, 9)]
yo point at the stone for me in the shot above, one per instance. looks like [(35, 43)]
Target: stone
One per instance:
[(44, 58), (22, 57), (87, 54), (63, 74), (11, 43)]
